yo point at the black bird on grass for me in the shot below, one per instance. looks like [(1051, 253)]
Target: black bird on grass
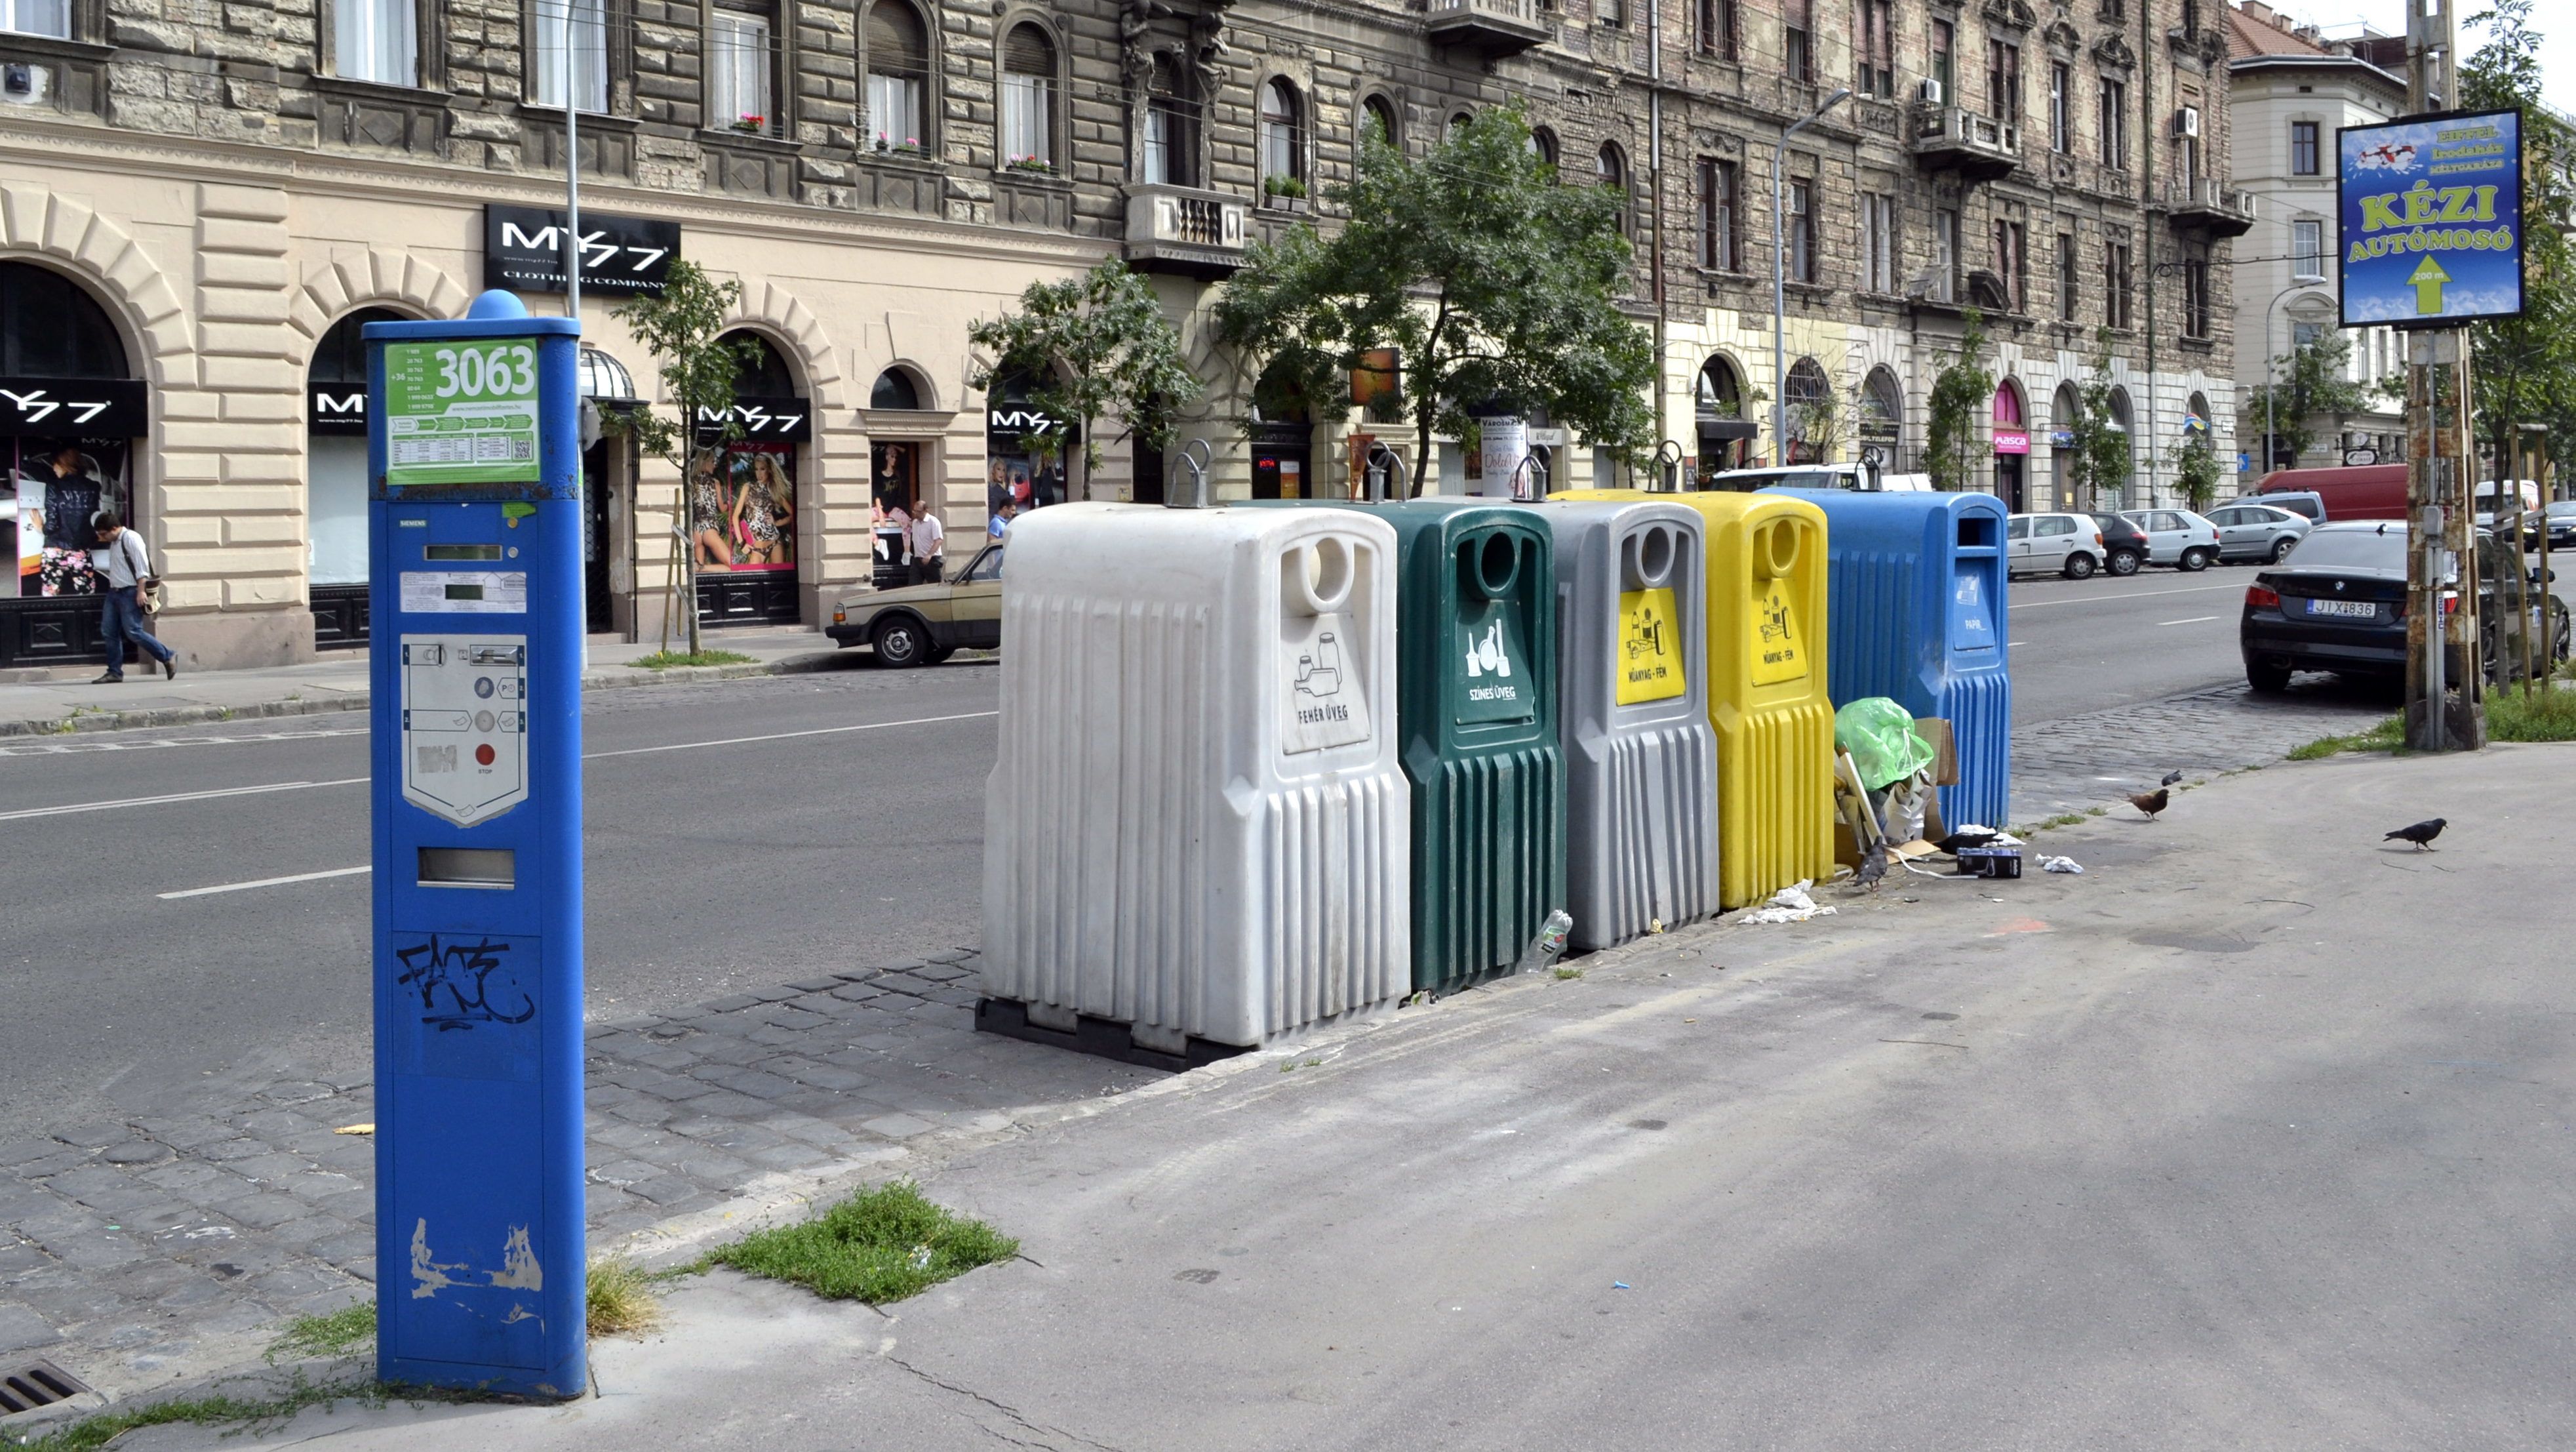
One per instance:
[(2152, 802), (2421, 834), (2170, 778)]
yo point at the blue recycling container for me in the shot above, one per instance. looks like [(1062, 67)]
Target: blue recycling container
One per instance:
[(1915, 590)]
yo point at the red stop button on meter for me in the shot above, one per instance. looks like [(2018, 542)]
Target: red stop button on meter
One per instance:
[(483, 754)]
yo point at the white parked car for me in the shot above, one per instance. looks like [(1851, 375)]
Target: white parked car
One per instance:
[(2053, 544), (2176, 537), (2249, 531), (1856, 477)]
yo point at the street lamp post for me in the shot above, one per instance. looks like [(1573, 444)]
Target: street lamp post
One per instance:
[(1779, 280)]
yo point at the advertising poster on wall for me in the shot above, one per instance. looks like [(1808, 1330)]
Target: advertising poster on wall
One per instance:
[(742, 508), (2431, 213), (58, 483)]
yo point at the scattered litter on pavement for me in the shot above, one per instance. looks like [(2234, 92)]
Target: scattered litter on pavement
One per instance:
[(1621, 1286), (2060, 864), (2001, 837), (355, 1129), (1788, 905)]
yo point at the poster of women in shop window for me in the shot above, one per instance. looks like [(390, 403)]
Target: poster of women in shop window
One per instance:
[(59, 484), (742, 508)]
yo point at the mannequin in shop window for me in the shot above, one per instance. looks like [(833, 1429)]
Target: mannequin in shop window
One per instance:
[(708, 525), (72, 493)]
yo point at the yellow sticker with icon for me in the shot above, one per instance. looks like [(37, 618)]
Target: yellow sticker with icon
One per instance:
[(1779, 645), (1650, 647)]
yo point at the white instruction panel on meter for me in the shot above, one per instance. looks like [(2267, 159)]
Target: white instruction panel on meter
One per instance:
[(465, 724)]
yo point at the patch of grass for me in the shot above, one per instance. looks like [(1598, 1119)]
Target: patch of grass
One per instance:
[(2543, 715), (877, 1246), (207, 1411), (1568, 975), (2388, 735), (2097, 811), (622, 1302), (2062, 819), (337, 1334), (662, 660)]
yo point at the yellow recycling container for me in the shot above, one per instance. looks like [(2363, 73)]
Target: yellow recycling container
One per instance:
[(1766, 687)]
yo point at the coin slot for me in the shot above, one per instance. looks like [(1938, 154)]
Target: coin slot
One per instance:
[(485, 867)]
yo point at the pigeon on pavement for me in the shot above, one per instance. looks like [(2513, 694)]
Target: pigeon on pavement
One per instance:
[(1873, 866), (2421, 834), (2152, 802), (2170, 778)]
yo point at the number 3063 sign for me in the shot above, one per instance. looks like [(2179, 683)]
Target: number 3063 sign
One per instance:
[(461, 412)]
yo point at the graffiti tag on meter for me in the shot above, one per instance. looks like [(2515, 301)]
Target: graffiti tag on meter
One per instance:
[(1324, 698), (1650, 647), (1779, 646)]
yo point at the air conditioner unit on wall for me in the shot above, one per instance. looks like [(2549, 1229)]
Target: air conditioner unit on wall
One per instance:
[(1931, 91), (2187, 121)]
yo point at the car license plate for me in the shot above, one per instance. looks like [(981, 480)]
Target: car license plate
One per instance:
[(2357, 609)]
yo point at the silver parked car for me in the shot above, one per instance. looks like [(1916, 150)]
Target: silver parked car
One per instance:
[(2248, 531), (2067, 544), (2176, 537)]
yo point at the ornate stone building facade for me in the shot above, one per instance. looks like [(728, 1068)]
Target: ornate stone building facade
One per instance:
[(215, 195)]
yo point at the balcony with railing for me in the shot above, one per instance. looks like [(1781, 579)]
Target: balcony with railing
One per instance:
[(1185, 230), (1954, 138), (1489, 27), (2209, 207)]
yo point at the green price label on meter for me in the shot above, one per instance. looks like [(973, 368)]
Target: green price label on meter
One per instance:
[(461, 411)]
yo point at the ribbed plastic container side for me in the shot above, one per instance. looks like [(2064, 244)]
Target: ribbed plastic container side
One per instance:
[(1495, 816), (1101, 896), (1337, 874), (1978, 706), (1876, 635), (1773, 832), (1661, 859)]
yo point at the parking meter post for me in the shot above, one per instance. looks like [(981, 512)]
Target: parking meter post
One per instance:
[(475, 542)]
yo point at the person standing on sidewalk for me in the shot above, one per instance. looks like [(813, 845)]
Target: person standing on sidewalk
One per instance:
[(929, 539), (124, 569)]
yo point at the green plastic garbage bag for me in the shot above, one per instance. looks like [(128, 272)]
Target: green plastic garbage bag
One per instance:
[(1881, 738)]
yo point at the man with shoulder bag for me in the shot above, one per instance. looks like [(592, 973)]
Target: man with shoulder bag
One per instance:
[(121, 558)]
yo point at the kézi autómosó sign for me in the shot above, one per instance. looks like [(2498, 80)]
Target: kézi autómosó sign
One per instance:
[(2431, 215)]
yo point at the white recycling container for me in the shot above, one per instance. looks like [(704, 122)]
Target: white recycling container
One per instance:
[(1640, 758), (1195, 829)]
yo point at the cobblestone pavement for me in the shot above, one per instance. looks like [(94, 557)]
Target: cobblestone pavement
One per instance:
[(2083, 761), (174, 1239)]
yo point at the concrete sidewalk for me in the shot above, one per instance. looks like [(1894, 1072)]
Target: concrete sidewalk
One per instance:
[(63, 700), (2251, 1136)]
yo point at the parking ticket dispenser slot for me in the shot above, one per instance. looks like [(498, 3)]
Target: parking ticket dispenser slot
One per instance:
[(460, 552), (486, 867)]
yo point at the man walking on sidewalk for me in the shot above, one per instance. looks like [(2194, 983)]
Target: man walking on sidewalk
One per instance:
[(121, 558), (929, 542)]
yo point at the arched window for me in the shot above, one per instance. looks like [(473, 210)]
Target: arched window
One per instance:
[(1718, 394), (895, 389), (1458, 123), (1717, 399), (1809, 396), (760, 372), (1882, 412), (1610, 169), (1282, 137), (50, 327), (2119, 421), (1543, 144), (1169, 155), (898, 77), (1028, 99), (335, 480), (341, 357), (1379, 111)]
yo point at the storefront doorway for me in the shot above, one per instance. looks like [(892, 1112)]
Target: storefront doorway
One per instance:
[(744, 504), (335, 481), (1282, 439), (894, 487), (2012, 448), (1024, 447), (60, 361)]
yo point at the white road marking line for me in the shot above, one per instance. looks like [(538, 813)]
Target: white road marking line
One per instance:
[(173, 798), (2132, 595), (792, 735), (2194, 620), (83, 748), (264, 882), (25, 813)]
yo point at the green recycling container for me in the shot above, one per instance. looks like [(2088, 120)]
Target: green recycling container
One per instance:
[(1476, 704)]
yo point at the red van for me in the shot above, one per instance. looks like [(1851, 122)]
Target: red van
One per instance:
[(2361, 491)]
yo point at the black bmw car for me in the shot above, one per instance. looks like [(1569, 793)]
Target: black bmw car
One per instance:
[(2338, 603)]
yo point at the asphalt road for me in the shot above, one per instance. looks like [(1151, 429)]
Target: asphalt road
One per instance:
[(2090, 645), (741, 834)]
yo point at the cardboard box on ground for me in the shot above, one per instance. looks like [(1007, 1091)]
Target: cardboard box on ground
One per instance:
[(1945, 772)]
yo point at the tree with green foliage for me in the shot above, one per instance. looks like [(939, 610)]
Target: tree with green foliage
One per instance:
[(2312, 381), (1095, 346), (1950, 442), (683, 328), (2097, 460), (2197, 471), (2526, 367), (1492, 279)]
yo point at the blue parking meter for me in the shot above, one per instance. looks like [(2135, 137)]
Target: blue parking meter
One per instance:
[(474, 538)]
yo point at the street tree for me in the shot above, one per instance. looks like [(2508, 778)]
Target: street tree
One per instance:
[(1950, 439), (2097, 458), (1095, 346), (2311, 382), (2198, 471), (683, 329), (1495, 281), (2526, 366)]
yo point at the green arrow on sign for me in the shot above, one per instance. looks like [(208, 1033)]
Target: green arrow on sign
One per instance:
[(2428, 280)]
